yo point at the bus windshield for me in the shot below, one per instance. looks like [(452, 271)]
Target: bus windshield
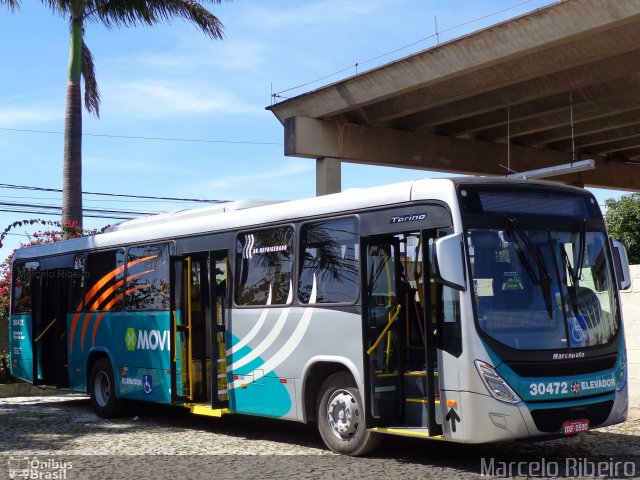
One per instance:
[(543, 289)]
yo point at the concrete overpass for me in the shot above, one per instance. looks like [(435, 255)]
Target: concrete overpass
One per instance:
[(556, 85)]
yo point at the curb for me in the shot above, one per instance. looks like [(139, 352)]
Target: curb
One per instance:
[(26, 390)]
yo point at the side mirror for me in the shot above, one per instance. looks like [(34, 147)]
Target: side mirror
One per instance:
[(449, 262), (621, 264)]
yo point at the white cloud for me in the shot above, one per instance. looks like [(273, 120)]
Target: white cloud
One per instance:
[(317, 14), (158, 99), (18, 117), (229, 55), (245, 179)]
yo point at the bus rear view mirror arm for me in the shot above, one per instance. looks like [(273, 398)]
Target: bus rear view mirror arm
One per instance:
[(448, 262)]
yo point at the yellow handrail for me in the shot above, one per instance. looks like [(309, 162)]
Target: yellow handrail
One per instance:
[(44, 331), (189, 342), (175, 336), (392, 319)]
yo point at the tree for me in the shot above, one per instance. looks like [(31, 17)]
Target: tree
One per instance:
[(623, 222), (110, 13)]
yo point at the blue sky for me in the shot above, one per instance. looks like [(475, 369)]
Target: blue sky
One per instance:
[(171, 81)]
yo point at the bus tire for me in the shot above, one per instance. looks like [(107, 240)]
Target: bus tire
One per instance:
[(102, 391), (341, 417)]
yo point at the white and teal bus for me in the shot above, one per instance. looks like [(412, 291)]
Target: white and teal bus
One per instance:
[(465, 310)]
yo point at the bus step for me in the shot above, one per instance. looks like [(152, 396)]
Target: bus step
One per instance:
[(417, 414), (206, 409), (410, 373), (407, 432)]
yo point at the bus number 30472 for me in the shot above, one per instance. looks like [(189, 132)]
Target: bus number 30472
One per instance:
[(550, 388)]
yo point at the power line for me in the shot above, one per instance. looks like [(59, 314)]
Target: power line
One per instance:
[(53, 214), (139, 137), (92, 200), (89, 210), (43, 189), (377, 57)]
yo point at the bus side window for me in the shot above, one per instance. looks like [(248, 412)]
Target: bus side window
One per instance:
[(105, 279), (264, 266), (148, 277), (23, 276), (76, 293), (329, 257), (450, 334)]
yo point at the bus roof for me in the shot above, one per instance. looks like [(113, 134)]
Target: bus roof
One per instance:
[(250, 213)]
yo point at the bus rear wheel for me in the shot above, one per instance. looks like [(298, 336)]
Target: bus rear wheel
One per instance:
[(102, 390), (341, 419)]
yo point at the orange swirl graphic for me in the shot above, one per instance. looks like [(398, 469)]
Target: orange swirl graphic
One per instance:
[(92, 292)]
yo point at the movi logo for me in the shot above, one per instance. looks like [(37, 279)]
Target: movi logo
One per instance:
[(146, 339)]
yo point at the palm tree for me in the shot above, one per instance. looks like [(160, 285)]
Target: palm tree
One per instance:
[(118, 13)]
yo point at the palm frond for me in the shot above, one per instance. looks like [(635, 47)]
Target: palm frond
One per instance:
[(91, 92), (150, 12), (12, 4), (59, 7)]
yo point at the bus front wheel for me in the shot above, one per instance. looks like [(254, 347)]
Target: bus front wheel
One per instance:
[(341, 419), (102, 390)]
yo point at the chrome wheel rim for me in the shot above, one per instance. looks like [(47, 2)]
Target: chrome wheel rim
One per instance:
[(102, 388), (343, 414)]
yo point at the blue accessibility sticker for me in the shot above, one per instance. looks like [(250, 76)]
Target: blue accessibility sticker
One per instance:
[(147, 384)]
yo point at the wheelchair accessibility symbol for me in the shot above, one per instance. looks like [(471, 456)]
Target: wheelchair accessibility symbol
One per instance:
[(578, 331), (147, 384)]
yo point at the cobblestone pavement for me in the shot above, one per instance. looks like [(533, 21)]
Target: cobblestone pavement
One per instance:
[(50, 433)]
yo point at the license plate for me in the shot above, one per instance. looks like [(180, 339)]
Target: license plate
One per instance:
[(575, 426)]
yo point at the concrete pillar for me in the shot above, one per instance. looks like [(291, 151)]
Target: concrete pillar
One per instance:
[(328, 177), (631, 316)]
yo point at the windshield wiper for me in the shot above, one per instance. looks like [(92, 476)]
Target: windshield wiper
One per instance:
[(577, 268), (573, 278), (575, 271), (543, 279)]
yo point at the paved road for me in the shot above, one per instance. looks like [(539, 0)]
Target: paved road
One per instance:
[(45, 434)]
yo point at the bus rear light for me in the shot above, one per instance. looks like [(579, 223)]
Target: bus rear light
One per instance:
[(495, 384)]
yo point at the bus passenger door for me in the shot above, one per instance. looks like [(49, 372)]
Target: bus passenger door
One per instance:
[(382, 330), (219, 279), (198, 353), (50, 328), (181, 367), (190, 313)]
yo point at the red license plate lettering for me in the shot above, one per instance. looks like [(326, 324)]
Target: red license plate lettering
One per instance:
[(575, 426)]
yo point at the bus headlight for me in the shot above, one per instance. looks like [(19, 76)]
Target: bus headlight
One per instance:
[(495, 384)]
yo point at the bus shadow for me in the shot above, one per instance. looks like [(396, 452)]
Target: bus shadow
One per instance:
[(59, 426)]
